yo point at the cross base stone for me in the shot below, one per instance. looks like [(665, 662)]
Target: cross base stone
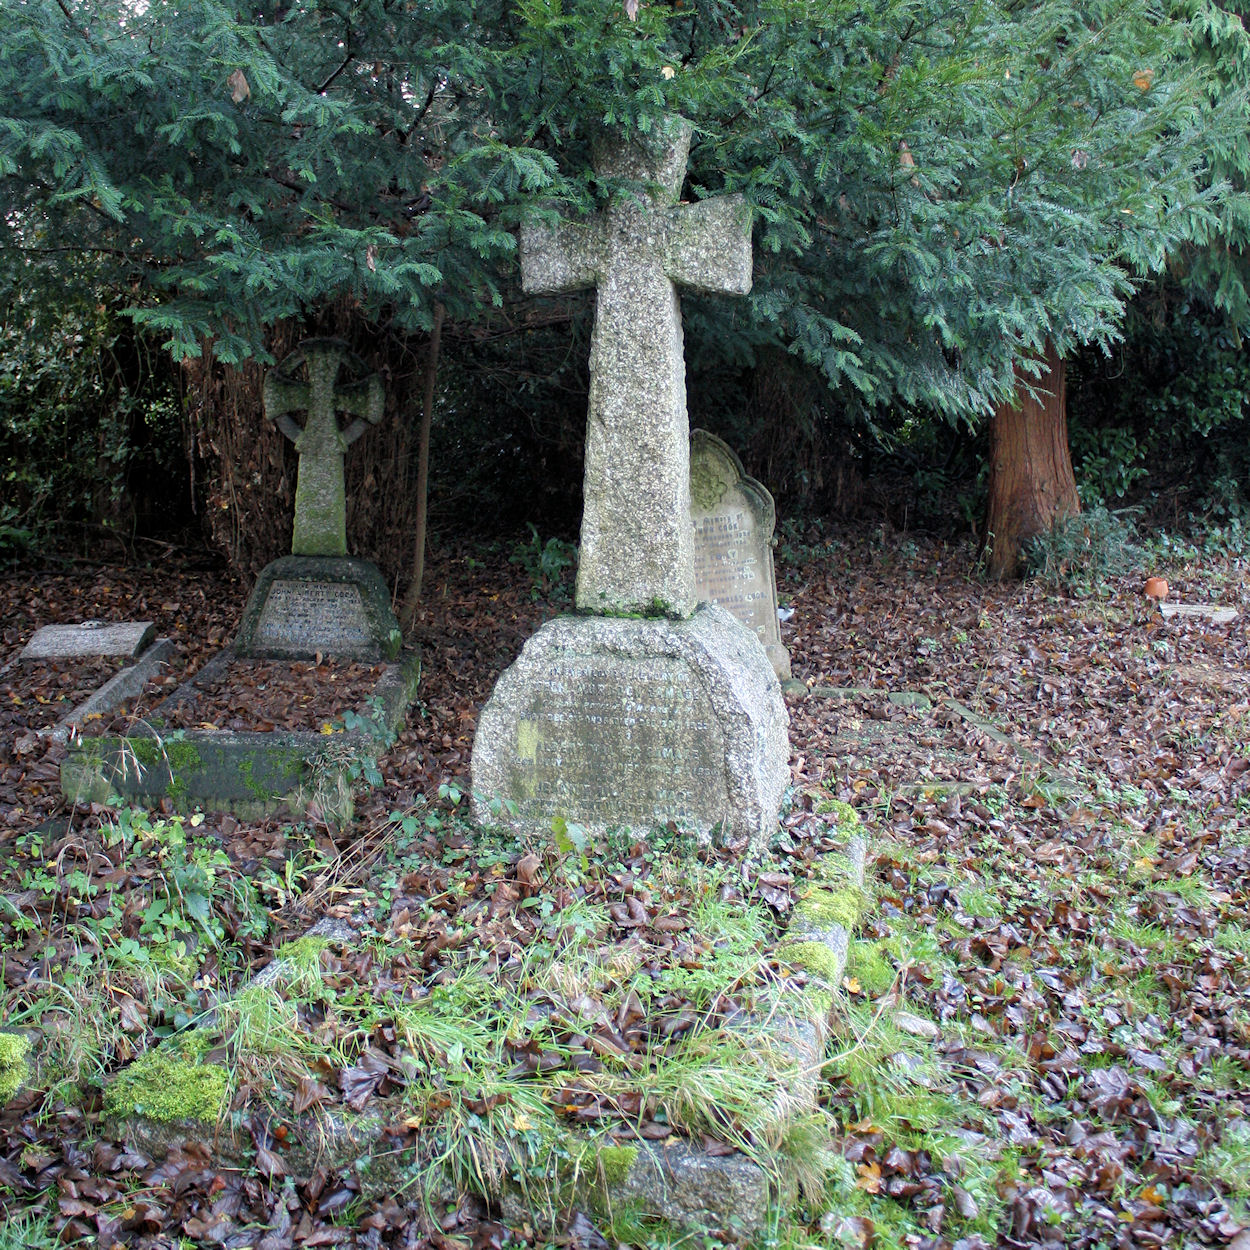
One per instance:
[(614, 722), (304, 606)]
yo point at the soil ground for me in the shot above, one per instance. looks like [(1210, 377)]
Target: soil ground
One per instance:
[(1044, 1035)]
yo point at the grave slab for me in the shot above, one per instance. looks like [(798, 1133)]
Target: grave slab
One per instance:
[(57, 642), (612, 723), (734, 518), (1216, 613)]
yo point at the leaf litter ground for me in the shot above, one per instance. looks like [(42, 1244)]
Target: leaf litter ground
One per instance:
[(1042, 1037)]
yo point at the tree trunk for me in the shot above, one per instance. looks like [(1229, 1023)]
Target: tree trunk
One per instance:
[(1031, 486), (408, 613)]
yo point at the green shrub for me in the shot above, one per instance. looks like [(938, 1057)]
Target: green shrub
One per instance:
[(1080, 553)]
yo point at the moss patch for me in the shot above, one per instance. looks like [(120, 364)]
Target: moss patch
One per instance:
[(614, 1163), (14, 1066), (821, 907), (844, 815), (813, 957), (169, 1088), (868, 964)]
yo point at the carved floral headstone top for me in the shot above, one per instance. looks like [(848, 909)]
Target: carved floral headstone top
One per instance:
[(320, 527), (636, 544), (734, 517)]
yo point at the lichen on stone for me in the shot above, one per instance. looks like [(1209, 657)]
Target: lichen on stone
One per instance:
[(168, 1086), (14, 1064)]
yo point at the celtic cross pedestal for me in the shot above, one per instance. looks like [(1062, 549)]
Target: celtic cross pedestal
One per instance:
[(320, 527), (636, 543)]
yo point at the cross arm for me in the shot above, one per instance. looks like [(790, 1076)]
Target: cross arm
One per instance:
[(709, 246), (283, 396), (364, 400), (558, 259)]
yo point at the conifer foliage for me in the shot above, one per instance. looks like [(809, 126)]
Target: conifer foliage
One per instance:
[(941, 189)]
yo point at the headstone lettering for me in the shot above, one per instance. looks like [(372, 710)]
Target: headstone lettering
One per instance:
[(320, 615)]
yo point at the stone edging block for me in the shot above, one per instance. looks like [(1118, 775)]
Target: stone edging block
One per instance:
[(250, 774), (125, 684)]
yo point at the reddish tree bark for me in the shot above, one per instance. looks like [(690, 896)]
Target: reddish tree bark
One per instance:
[(1031, 487)]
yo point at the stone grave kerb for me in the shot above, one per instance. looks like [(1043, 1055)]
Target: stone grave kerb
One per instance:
[(637, 554), (320, 526)]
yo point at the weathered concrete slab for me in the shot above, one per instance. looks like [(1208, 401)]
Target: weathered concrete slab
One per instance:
[(1217, 614), (58, 642), (250, 774)]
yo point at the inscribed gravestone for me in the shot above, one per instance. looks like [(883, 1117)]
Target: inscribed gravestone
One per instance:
[(317, 600), (677, 716), (734, 518)]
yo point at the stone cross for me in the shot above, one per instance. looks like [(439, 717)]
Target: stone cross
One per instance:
[(636, 541), (320, 496)]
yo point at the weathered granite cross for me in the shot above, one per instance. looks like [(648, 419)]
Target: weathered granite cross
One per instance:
[(637, 551), (320, 496)]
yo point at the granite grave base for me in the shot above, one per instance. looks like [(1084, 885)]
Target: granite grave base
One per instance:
[(612, 722), (248, 773), (302, 606)]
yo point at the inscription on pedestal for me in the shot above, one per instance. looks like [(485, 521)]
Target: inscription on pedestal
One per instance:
[(619, 742), (321, 616), (617, 722), (734, 517)]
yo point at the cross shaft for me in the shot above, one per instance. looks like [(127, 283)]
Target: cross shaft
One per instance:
[(637, 542), (320, 527)]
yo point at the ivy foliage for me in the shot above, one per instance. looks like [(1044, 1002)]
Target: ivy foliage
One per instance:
[(939, 188)]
